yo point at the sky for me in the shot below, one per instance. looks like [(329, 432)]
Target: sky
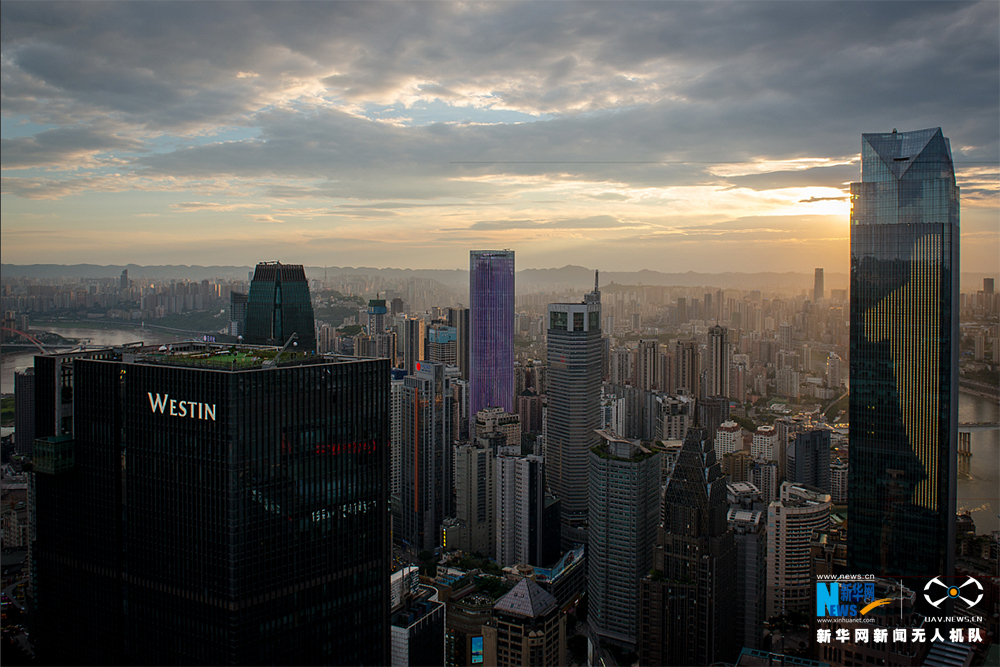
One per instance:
[(673, 136)]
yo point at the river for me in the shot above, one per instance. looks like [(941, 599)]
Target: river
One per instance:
[(978, 491)]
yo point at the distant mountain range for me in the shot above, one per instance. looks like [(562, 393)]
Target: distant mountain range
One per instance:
[(528, 280)]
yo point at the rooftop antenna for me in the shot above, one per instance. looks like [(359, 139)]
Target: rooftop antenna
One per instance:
[(597, 275)]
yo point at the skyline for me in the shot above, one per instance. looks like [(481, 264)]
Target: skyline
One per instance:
[(667, 136)]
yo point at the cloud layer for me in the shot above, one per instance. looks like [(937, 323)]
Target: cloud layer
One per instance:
[(407, 131)]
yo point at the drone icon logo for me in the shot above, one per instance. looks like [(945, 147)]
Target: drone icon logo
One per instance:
[(953, 592)]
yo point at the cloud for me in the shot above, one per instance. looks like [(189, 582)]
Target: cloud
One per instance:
[(582, 117)]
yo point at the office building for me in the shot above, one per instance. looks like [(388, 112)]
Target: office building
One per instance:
[(750, 534), (527, 628), (574, 390), (686, 597), (791, 520), (215, 508), (426, 468), (904, 356), (765, 476), (278, 306), (807, 459), (475, 498), (527, 519), (491, 329), (624, 503), (24, 411), (819, 291)]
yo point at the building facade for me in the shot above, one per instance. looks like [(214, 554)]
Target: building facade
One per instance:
[(426, 468), (278, 306), (791, 521), (624, 498), (491, 329), (686, 597), (208, 509), (904, 355), (574, 391)]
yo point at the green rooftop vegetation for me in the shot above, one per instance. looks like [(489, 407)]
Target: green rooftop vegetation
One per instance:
[(231, 359)]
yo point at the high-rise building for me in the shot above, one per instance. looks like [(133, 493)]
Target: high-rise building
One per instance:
[(376, 316), (833, 371), (728, 439), (459, 318), (426, 470), (688, 365), (214, 508), (237, 313), (278, 306), (414, 333), (750, 533), (475, 497), (574, 390), (791, 520), (904, 356), (526, 531), (686, 597), (646, 375), (24, 411), (819, 291), (442, 345), (624, 495), (807, 459), (717, 366), (491, 329)]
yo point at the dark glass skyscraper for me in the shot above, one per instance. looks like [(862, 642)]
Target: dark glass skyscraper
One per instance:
[(210, 510), (574, 414), (278, 306), (491, 335), (686, 600), (904, 356)]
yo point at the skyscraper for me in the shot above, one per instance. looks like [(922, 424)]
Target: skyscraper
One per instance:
[(278, 306), (719, 355), (904, 356), (624, 500), (574, 390), (819, 291), (426, 479), (686, 596), (210, 509), (491, 329)]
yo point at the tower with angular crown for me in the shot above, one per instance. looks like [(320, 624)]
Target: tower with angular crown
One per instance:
[(904, 356)]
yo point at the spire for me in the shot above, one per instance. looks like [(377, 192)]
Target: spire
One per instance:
[(597, 275)]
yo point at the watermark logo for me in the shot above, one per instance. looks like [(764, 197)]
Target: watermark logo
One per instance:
[(845, 599), (936, 592)]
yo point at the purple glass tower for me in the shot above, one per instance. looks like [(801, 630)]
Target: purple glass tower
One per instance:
[(491, 330)]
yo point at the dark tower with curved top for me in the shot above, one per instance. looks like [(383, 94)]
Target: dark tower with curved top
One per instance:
[(278, 306)]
